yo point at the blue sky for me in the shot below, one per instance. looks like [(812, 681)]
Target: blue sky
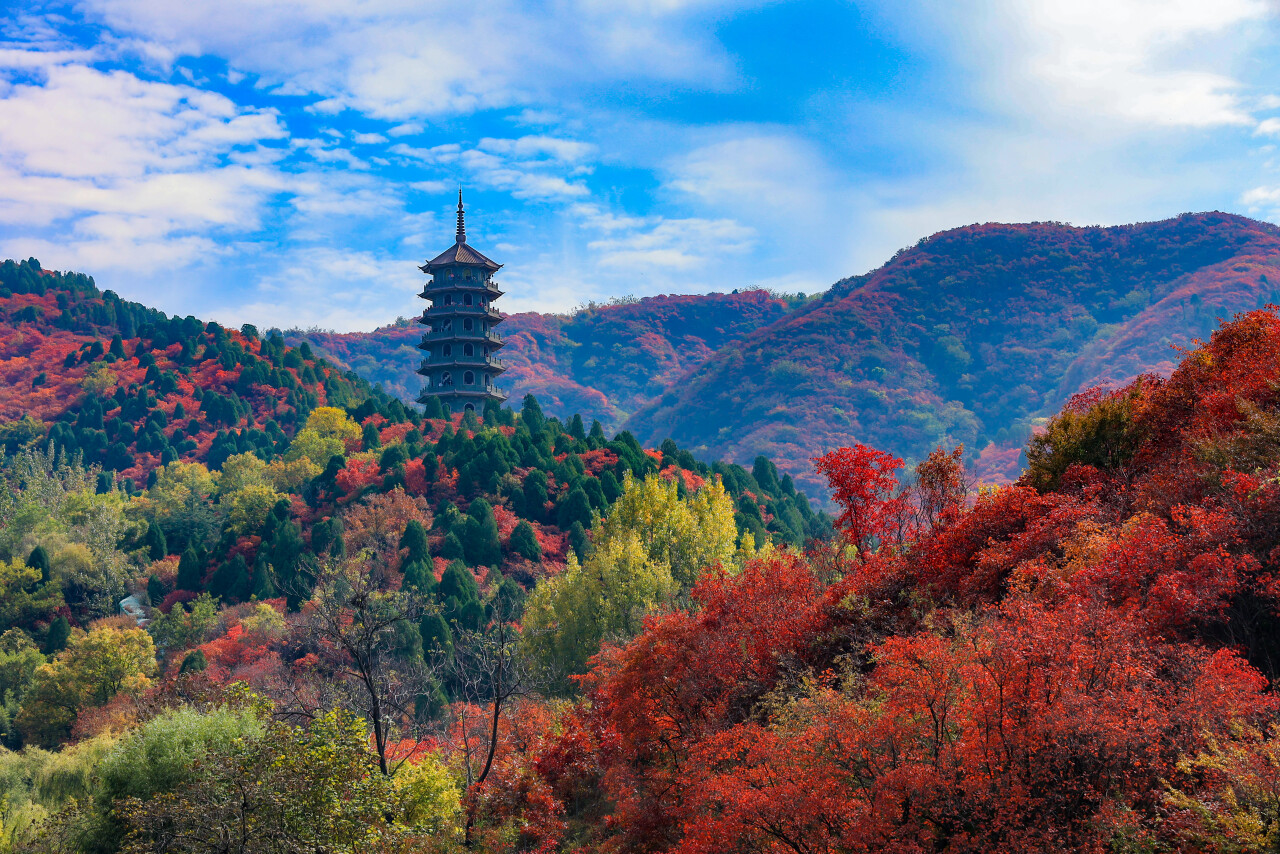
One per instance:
[(288, 163)]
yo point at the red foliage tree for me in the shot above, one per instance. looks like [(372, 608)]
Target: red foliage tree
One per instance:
[(873, 510)]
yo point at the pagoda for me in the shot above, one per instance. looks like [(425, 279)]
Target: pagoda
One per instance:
[(460, 341)]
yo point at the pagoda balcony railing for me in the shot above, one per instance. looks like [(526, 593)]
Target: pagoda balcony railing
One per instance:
[(462, 389), (463, 335), (463, 310), (479, 362), (490, 288)]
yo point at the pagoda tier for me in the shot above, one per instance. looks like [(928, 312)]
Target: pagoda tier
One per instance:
[(459, 342)]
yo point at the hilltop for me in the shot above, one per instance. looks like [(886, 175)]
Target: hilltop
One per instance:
[(968, 337), (130, 391)]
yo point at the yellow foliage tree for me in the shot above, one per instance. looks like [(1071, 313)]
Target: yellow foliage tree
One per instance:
[(241, 471), (569, 615), (247, 508), (328, 431), (652, 546), (181, 500), (23, 600), (93, 668), (290, 475), (688, 536), (98, 380), (428, 795)]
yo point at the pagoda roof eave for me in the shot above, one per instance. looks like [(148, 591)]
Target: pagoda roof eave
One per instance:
[(460, 254)]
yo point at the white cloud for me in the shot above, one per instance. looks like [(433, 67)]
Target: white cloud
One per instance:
[(404, 59), (778, 184), (368, 138), (673, 244), (137, 182), (89, 143), (87, 123), (323, 152), (1149, 63), (1262, 202), (331, 288), (513, 165), (564, 150), (14, 58)]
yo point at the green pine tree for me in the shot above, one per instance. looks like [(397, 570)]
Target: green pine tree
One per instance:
[(432, 408), (59, 634), (414, 539), (157, 548), (524, 542), (531, 415), (419, 576), (480, 543), (190, 571), (578, 540), (452, 547), (39, 559), (574, 507)]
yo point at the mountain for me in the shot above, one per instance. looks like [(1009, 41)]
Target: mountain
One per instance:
[(604, 361), (969, 336), (973, 335)]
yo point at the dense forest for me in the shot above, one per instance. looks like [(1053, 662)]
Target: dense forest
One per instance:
[(974, 336), (227, 566), (369, 628)]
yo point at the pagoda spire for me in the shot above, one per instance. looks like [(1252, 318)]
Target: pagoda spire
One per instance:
[(462, 227)]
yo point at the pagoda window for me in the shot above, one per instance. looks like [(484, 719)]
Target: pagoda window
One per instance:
[(467, 299), (468, 350), (470, 407), (466, 324), (448, 299), (469, 378), (446, 351), (446, 379)]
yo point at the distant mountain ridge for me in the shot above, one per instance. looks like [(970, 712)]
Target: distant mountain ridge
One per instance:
[(605, 361), (969, 336)]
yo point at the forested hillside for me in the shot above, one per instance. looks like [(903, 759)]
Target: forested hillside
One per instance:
[(206, 533), (967, 337), (401, 632), (603, 361)]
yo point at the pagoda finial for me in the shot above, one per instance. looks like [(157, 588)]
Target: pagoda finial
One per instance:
[(462, 228)]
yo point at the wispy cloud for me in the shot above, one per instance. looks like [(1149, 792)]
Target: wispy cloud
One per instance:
[(306, 152)]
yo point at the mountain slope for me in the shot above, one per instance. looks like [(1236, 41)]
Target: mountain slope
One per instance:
[(967, 337), (127, 389), (131, 388), (604, 361)]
